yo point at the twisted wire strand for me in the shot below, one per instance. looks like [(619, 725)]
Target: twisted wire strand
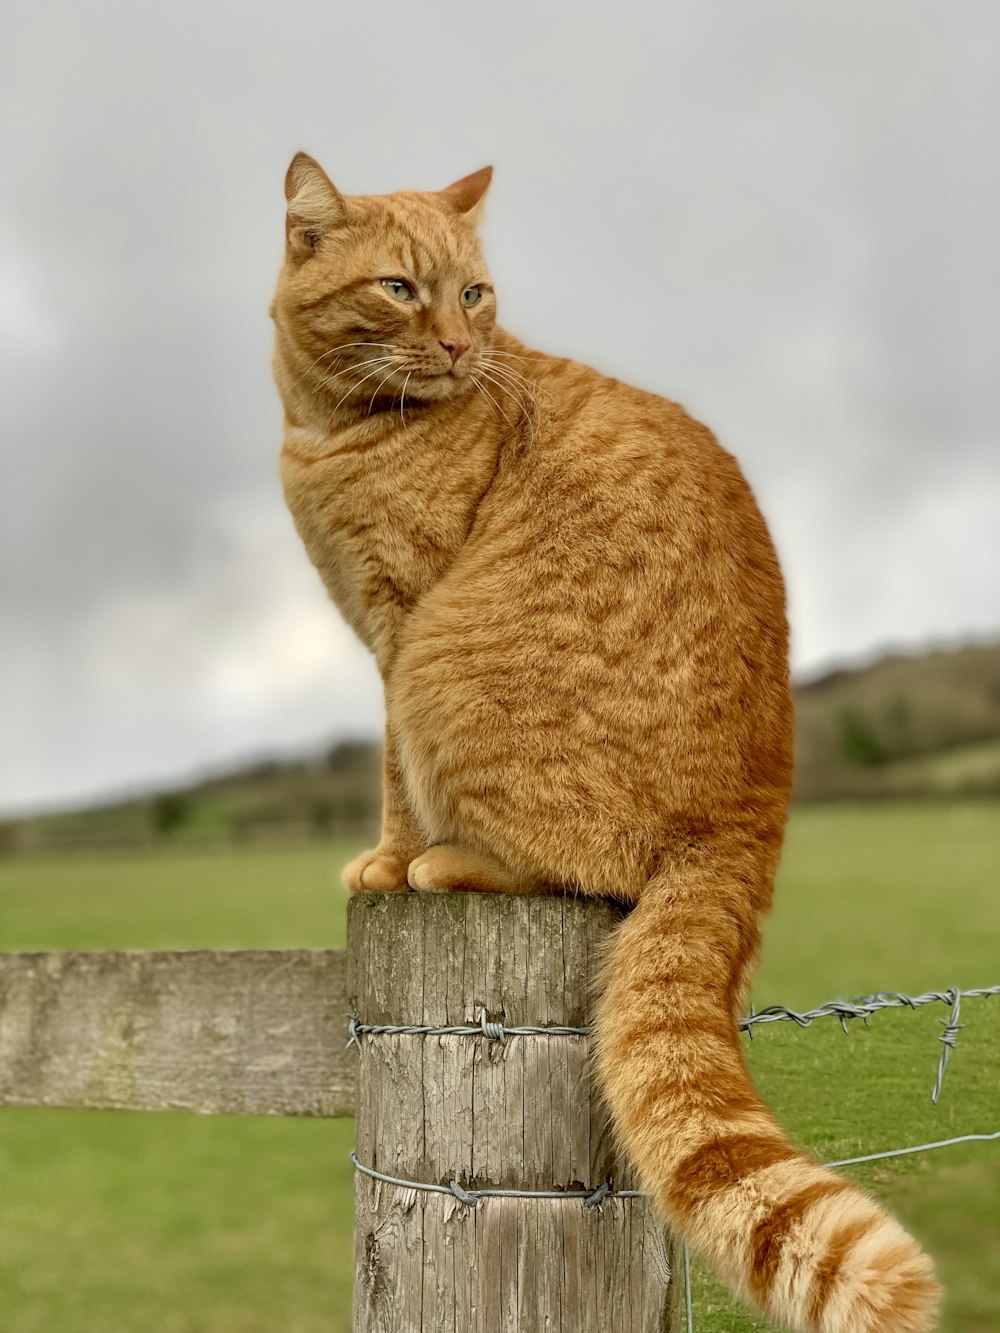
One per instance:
[(591, 1198), (484, 1027), (842, 1010), (595, 1197), (862, 1008)]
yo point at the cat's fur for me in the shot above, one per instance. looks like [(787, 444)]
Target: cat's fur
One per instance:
[(579, 619)]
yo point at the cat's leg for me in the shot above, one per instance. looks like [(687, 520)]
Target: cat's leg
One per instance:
[(448, 866), (383, 870)]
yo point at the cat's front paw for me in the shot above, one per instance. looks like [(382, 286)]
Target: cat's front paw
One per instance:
[(444, 867), (375, 872)]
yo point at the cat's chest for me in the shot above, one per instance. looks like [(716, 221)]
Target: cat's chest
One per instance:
[(380, 530)]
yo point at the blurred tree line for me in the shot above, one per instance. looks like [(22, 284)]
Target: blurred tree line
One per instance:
[(922, 726)]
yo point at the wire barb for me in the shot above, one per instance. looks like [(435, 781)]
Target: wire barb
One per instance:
[(597, 1197), (482, 1026), (842, 1010), (492, 1031), (463, 1196), (949, 1038), (591, 1198)]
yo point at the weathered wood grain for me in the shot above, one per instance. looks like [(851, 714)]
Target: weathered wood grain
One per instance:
[(513, 1115), (256, 1032)]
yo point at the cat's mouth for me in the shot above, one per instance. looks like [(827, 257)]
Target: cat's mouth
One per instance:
[(441, 383), (459, 371)]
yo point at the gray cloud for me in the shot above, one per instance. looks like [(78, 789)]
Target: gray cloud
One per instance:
[(783, 215)]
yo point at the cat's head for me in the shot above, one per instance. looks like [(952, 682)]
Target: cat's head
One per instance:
[(381, 293)]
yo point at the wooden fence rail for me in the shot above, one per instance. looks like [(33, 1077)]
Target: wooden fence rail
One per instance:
[(256, 1032), (265, 1032)]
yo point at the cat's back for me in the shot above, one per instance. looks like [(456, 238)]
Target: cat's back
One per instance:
[(617, 596), (618, 471), (616, 524)]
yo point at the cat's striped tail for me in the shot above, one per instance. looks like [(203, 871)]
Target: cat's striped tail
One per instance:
[(805, 1246)]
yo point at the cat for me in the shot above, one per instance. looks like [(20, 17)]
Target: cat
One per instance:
[(579, 619)]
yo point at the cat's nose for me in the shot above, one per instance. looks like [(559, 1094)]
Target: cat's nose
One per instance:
[(454, 347)]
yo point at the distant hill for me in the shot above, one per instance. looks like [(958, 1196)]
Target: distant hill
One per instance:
[(334, 793), (921, 726), (926, 725)]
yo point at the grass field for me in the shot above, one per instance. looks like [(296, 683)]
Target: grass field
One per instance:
[(119, 1223)]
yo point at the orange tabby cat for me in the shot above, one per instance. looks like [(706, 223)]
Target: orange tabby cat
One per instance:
[(579, 619)]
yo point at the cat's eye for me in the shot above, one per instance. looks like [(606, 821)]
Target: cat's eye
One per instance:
[(471, 295), (398, 289)]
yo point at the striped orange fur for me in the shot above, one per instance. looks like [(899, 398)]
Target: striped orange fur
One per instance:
[(579, 619)]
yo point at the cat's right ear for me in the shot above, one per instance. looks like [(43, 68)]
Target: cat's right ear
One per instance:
[(315, 207)]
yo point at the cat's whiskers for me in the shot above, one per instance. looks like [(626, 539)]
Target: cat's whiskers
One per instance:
[(490, 353), (312, 366), (513, 378), (371, 401), (497, 351), (337, 351), (402, 397), (529, 413), (371, 374), (379, 365), (486, 394), (331, 351), (505, 391), (377, 360), (342, 346), (512, 390)]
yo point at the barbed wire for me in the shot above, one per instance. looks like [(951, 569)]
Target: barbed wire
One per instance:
[(591, 1198), (842, 1010), (595, 1197), (483, 1027), (873, 1004)]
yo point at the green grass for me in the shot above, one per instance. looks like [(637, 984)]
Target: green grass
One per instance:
[(876, 897), (120, 1223), (174, 899)]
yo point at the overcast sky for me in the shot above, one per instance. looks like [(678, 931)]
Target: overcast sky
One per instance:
[(783, 214)]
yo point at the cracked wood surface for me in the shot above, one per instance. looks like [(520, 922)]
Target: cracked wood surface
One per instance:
[(518, 1114)]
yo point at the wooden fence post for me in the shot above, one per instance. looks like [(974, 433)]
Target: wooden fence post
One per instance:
[(512, 1114)]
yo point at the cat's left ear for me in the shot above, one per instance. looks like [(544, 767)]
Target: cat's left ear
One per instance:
[(466, 196)]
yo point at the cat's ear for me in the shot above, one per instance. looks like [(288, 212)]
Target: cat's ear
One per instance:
[(466, 196), (315, 207)]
